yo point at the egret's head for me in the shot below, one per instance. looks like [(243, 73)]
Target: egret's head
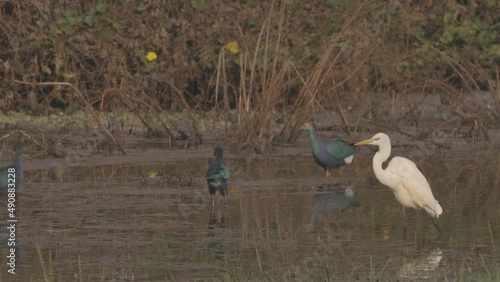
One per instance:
[(307, 126), (379, 138)]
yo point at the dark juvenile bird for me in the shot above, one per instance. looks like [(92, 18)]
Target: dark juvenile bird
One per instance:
[(329, 153), (217, 176), (11, 175)]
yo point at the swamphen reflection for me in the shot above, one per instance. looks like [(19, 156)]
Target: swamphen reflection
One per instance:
[(217, 176), (217, 234), (13, 173), (325, 202), (329, 153)]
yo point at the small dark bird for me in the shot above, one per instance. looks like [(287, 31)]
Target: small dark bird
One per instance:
[(11, 175), (217, 176), (329, 153)]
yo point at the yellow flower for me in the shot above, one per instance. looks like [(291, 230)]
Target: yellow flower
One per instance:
[(151, 56), (152, 174), (233, 47), (69, 75)]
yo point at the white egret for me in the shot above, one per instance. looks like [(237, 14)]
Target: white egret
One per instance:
[(404, 178)]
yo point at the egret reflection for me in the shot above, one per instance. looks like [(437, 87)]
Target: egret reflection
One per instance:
[(421, 267)]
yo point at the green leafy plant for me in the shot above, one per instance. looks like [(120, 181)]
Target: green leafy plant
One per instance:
[(70, 22), (198, 4)]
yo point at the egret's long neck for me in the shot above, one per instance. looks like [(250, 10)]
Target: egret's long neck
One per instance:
[(384, 151)]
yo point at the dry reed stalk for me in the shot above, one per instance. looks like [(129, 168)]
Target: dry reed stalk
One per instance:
[(28, 136), (314, 81), (242, 97), (245, 126), (48, 274), (196, 135), (88, 106), (462, 109), (272, 83), (469, 113), (226, 94), (494, 90), (255, 110), (221, 81), (148, 107)]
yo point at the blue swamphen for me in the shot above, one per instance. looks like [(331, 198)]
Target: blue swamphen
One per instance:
[(217, 176), (13, 173), (329, 153)]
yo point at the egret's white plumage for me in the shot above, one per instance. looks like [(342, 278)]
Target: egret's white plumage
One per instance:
[(403, 177)]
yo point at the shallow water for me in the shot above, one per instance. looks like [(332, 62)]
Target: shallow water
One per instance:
[(284, 220)]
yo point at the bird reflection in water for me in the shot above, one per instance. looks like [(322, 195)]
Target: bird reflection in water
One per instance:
[(421, 267), (217, 233), (330, 199)]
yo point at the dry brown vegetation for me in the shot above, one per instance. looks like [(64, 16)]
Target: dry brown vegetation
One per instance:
[(292, 60)]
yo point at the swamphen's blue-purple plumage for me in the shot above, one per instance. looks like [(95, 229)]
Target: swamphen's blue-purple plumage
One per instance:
[(217, 176), (6, 179), (329, 153)]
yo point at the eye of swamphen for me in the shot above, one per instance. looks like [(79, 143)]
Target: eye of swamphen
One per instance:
[(16, 168), (329, 153), (217, 176)]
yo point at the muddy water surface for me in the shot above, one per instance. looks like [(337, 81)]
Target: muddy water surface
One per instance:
[(284, 220)]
